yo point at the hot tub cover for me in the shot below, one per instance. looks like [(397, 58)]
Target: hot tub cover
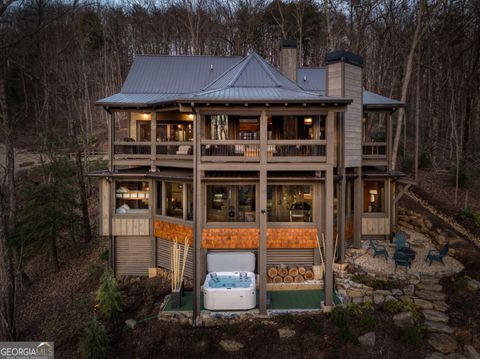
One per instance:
[(231, 262)]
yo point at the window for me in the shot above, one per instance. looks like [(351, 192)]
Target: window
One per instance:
[(174, 198), (225, 127), (189, 201), (175, 132), (231, 203), (374, 196), (296, 127), (289, 203), (131, 197), (144, 131)]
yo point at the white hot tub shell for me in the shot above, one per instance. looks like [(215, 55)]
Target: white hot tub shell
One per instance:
[(230, 282)]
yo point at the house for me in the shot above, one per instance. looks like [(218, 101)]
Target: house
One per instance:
[(234, 154)]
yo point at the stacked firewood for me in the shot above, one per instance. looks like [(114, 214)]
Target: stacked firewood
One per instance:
[(291, 274)]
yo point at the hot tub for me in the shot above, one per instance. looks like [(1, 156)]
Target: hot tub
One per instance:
[(229, 291), (230, 282)]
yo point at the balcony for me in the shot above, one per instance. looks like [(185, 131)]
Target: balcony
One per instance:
[(374, 153), (131, 150), (297, 150), (174, 150)]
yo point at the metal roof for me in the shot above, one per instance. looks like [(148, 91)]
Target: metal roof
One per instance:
[(175, 74), (136, 99), (372, 100), (312, 79)]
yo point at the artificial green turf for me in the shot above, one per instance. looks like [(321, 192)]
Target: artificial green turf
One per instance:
[(288, 299)]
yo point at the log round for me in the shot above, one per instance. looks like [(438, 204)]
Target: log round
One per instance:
[(299, 279), (278, 279), (308, 275), (301, 270), (293, 271), (288, 279), (272, 272), (282, 271)]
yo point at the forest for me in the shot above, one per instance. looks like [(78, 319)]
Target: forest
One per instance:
[(58, 57)]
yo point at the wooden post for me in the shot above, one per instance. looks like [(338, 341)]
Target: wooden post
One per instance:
[(341, 214), (197, 221), (153, 141), (389, 142), (111, 141), (358, 208), (329, 237), (262, 257), (330, 131), (111, 238), (153, 242)]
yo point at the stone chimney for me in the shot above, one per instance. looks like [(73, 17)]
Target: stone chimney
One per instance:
[(344, 74), (288, 59)]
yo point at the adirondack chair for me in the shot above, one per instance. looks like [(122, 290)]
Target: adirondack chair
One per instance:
[(434, 255), (378, 250), (402, 260), (400, 240)]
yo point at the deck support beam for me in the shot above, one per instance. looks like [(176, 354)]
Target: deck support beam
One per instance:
[(329, 237), (153, 141), (262, 255), (197, 222), (358, 208)]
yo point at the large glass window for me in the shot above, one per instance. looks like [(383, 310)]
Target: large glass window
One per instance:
[(296, 127), (225, 127), (289, 203), (374, 196), (189, 202), (131, 197), (174, 198), (175, 132), (231, 203)]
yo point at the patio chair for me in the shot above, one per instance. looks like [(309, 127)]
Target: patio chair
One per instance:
[(434, 255), (400, 240), (378, 250), (402, 260)]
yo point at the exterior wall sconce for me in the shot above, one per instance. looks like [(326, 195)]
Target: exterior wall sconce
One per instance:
[(307, 121)]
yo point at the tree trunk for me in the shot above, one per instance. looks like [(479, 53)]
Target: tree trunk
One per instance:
[(87, 229), (419, 31), (417, 120)]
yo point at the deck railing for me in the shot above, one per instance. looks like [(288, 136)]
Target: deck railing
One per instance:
[(174, 150), (128, 149), (374, 151), (297, 150), (230, 150)]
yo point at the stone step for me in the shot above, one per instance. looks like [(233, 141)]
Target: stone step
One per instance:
[(436, 327), (440, 306), (470, 352), (455, 356), (435, 316), (443, 343), (430, 287), (422, 303), (429, 295)]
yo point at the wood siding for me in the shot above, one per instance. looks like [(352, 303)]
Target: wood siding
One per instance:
[(130, 226), (290, 257), (291, 238), (132, 255), (171, 231), (230, 238), (104, 196), (353, 116), (375, 226), (164, 248)]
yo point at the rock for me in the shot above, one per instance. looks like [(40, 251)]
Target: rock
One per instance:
[(406, 299), (443, 343), (470, 352), (397, 292), (131, 323), (390, 298), (207, 320), (429, 295), (435, 355), (357, 300), (430, 287), (352, 293), (409, 290), (378, 299), (286, 332), (435, 316), (231, 345), (422, 303), (367, 340), (436, 327), (440, 306), (473, 284), (383, 292), (404, 319)]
